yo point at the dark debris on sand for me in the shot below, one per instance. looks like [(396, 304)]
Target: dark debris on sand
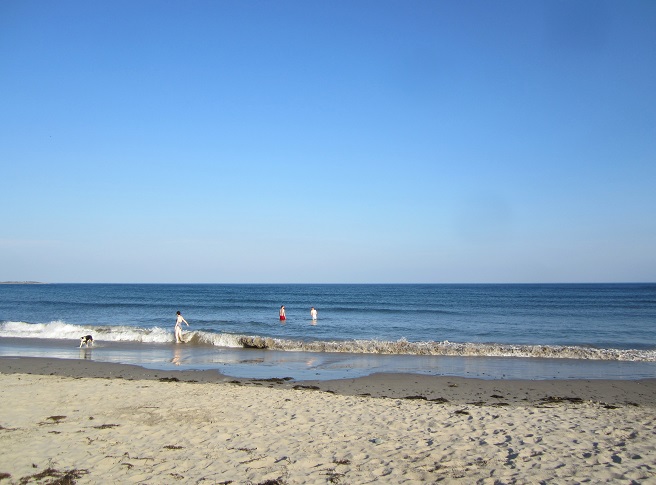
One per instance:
[(107, 426), (546, 401), (275, 380), (59, 478), (56, 419)]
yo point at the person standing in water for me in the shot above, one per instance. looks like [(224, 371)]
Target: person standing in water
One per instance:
[(282, 313), (178, 327), (313, 314)]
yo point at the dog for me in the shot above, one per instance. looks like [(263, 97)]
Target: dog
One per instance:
[(86, 340)]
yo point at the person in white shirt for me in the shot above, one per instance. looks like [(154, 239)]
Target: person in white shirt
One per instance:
[(313, 313)]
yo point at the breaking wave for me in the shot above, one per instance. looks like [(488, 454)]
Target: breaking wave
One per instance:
[(65, 331)]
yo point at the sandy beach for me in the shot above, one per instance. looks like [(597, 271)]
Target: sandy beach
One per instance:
[(89, 422)]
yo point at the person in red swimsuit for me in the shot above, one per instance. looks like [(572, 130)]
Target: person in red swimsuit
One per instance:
[(282, 313)]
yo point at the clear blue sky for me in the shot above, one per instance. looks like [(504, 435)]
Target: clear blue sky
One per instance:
[(328, 141)]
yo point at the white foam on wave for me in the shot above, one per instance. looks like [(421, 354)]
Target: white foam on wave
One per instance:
[(446, 348), (60, 330), (63, 330), (52, 330), (214, 339)]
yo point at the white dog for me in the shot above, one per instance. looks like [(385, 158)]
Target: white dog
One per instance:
[(86, 340)]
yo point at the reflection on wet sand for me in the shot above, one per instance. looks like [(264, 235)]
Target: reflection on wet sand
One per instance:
[(177, 356)]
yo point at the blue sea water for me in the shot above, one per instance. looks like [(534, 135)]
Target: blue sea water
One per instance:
[(530, 331)]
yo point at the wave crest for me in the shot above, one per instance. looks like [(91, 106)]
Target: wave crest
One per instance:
[(59, 330), (446, 348), (63, 330)]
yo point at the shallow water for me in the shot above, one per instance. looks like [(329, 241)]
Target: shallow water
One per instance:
[(488, 331), (265, 364)]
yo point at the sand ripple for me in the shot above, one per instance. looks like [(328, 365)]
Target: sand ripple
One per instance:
[(120, 431)]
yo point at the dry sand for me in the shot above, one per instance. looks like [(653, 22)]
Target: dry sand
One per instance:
[(102, 423)]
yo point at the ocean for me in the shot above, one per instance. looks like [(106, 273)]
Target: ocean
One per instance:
[(502, 331)]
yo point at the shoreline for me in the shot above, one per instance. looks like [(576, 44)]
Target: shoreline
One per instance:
[(454, 389), (303, 365)]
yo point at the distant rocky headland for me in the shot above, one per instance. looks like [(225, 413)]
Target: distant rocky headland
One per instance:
[(21, 283)]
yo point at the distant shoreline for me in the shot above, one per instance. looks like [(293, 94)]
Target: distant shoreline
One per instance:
[(22, 283)]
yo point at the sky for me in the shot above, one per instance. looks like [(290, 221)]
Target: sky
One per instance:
[(295, 141)]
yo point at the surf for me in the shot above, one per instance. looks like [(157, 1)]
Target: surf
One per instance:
[(65, 331)]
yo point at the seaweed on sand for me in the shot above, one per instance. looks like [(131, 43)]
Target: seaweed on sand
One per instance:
[(60, 478)]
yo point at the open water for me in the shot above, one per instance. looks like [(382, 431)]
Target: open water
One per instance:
[(535, 331)]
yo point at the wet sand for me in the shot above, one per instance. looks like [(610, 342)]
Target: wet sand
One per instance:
[(262, 364), (381, 385), (94, 422)]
